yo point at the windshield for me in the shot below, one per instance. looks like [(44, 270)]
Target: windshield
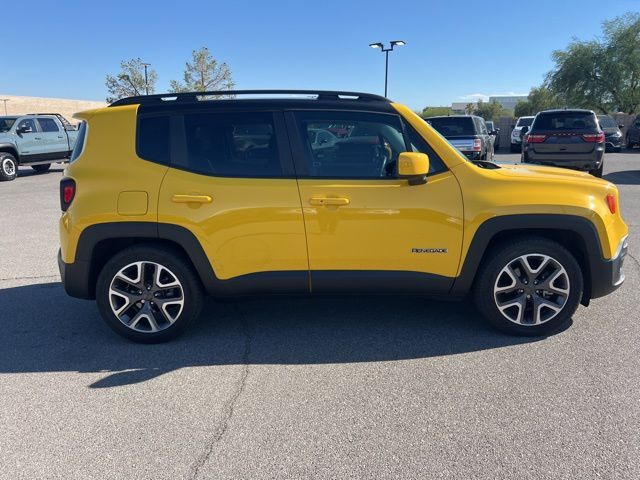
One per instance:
[(6, 123), (452, 126), (524, 122), (607, 122)]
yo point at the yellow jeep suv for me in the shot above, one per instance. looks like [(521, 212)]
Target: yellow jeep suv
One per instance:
[(168, 197)]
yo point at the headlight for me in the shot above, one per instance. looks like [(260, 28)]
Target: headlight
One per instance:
[(515, 133)]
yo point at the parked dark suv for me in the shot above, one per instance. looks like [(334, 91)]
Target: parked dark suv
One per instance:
[(633, 133), (565, 138), (612, 133), (467, 133)]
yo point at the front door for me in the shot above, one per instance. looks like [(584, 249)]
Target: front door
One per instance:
[(29, 140), (367, 230), (231, 183)]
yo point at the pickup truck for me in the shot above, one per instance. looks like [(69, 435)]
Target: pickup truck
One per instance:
[(34, 140)]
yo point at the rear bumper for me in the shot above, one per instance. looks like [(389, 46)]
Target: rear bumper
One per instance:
[(607, 275), (75, 278), (578, 161), (472, 155)]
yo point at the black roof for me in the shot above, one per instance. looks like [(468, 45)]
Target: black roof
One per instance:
[(302, 95), (568, 110), (452, 116)]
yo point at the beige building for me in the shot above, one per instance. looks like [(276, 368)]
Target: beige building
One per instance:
[(16, 105)]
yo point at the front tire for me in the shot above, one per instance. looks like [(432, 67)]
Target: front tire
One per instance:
[(148, 294), (41, 168), (8, 167), (529, 287)]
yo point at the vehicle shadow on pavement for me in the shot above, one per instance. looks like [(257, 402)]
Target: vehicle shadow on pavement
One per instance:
[(623, 177), (44, 330), (30, 172)]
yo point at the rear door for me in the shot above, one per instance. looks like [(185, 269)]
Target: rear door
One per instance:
[(368, 230), (54, 141), (231, 183), (563, 133)]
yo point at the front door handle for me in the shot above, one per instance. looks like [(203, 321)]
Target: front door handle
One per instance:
[(321, 201), (191, 199)]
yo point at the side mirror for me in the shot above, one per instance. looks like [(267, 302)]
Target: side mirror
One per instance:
[(22, 130), (495, 132), (621, 126), (524, 130), (414, 167)]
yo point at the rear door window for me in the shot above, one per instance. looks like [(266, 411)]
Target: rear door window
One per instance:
[(231, 145), (48, 125), (453, 126)]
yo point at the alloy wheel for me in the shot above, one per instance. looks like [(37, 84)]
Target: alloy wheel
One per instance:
[(146, 297), (8, 166), (531, 289)]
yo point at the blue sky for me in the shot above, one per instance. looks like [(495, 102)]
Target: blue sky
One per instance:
[(455, 49)]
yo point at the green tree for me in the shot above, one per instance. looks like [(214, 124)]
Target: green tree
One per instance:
[(601, 74), (130, 81), (204, 73), (489, 110), (435, 112), (470, 108), (539, 99)]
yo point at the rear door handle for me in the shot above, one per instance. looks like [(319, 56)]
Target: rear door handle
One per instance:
[(191, 199), (321, 201)]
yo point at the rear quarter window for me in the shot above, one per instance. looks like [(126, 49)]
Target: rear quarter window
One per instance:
[(80, 140), (565, 121), (153, 139)]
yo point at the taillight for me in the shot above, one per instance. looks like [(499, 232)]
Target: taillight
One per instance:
[(536, 138), (67, 193), (611, 203), (477, 145), (593, 137)]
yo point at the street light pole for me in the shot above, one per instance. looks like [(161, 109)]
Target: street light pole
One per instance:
[(146, 79), (5, 100), (386, 51)]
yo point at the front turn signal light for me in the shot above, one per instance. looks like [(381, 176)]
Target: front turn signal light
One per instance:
[(611, 203)]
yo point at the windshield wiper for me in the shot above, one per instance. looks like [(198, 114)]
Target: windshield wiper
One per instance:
[(486, 164)]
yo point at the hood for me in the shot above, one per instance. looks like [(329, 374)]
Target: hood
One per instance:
[(610, 130), (548, 173)]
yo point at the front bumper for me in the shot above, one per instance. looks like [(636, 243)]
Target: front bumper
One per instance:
[(607, 275), (75, 278)]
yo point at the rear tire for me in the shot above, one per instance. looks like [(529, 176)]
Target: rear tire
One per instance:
[(507, 295), (597, 172), (148, 294), (41, 168), (8, 167)]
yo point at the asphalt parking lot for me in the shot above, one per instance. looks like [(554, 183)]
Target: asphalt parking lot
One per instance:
[(308, 387)]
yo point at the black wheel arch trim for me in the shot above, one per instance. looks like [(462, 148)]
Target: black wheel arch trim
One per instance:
[(599, 279)]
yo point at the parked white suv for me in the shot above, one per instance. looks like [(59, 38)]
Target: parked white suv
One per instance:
[(516, 133)]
